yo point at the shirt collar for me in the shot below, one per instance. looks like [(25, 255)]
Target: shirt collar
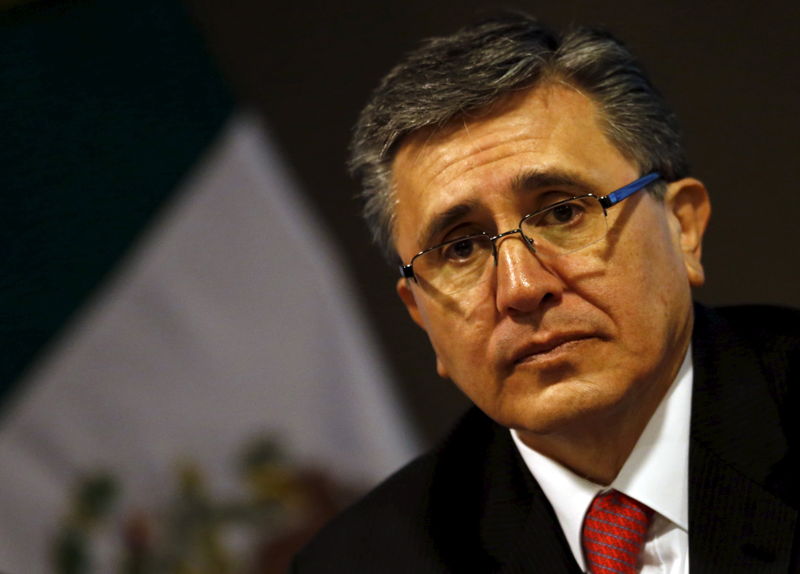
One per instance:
[(656, 472)]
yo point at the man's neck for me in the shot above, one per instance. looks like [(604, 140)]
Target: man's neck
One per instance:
[(596, 456), (597, 446)]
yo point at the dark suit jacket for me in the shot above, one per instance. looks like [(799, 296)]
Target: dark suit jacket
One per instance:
[(471, 505)]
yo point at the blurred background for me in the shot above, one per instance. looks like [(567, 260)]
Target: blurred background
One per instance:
[(197, 335)]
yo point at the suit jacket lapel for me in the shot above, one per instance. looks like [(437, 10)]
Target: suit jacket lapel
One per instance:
[(519, 527), (487, 512), (739, 520), (540, 545), (735, 524)]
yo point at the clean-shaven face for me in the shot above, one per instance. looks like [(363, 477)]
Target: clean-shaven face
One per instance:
[(547, 344)]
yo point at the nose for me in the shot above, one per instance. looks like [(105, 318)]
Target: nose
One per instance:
[(524, 283)]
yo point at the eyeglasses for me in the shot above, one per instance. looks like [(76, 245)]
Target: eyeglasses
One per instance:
[(559, 229)]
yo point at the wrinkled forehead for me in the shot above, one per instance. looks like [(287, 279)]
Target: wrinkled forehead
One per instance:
[(552, 127), (543, 111), (433, 139)]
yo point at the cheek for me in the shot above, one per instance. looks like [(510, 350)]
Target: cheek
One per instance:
[(458, 334), (650, 293), (450, 315), (637, 280)]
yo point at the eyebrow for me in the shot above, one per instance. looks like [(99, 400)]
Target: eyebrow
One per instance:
[(526, 181), (534, 179), (444, 220)]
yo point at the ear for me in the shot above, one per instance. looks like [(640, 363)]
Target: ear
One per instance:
[(406, 294), (407, 297), (688, 202)]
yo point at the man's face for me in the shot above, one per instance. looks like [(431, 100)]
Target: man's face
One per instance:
[(549, 344)]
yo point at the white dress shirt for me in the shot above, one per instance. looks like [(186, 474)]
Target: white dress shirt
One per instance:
[(656, 473)]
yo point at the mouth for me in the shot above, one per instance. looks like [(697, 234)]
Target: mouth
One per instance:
[(548, 348)]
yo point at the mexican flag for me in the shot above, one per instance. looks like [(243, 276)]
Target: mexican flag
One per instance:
[(186, 379)]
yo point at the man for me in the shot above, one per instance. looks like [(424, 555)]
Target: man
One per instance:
[(536, 192)]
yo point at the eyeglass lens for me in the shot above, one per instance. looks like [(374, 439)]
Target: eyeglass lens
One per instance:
[(560, 229)]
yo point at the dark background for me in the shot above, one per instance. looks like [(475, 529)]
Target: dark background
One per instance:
[(729, 69)]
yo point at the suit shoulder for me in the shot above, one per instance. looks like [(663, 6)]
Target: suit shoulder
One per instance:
[(367, 534), (764, 319), (763, 336), (385, 531), (772, 332)]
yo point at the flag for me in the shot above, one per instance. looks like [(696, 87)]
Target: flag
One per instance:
[(173, 309)]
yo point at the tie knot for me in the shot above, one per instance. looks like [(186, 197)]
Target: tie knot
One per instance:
[(614, 532)]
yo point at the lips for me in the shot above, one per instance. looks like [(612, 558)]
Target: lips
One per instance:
[(540, 349)]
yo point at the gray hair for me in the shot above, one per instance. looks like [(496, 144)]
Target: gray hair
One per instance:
[(447, 77)]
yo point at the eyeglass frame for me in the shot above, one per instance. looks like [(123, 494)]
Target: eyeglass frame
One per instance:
[(606, 201)]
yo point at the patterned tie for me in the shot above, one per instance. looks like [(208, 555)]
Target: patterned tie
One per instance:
[(614, 532)]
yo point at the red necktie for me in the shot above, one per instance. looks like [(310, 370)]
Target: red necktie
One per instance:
[(614, 531)]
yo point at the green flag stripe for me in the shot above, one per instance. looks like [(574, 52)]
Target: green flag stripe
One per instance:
[(105, 107)]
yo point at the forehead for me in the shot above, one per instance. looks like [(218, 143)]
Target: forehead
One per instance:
[(550, 129)]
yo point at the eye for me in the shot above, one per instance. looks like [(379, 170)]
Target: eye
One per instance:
[(563, 214), (465, 250), (459, 250)]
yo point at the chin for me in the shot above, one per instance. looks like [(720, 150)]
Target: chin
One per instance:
[(559, 406)]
